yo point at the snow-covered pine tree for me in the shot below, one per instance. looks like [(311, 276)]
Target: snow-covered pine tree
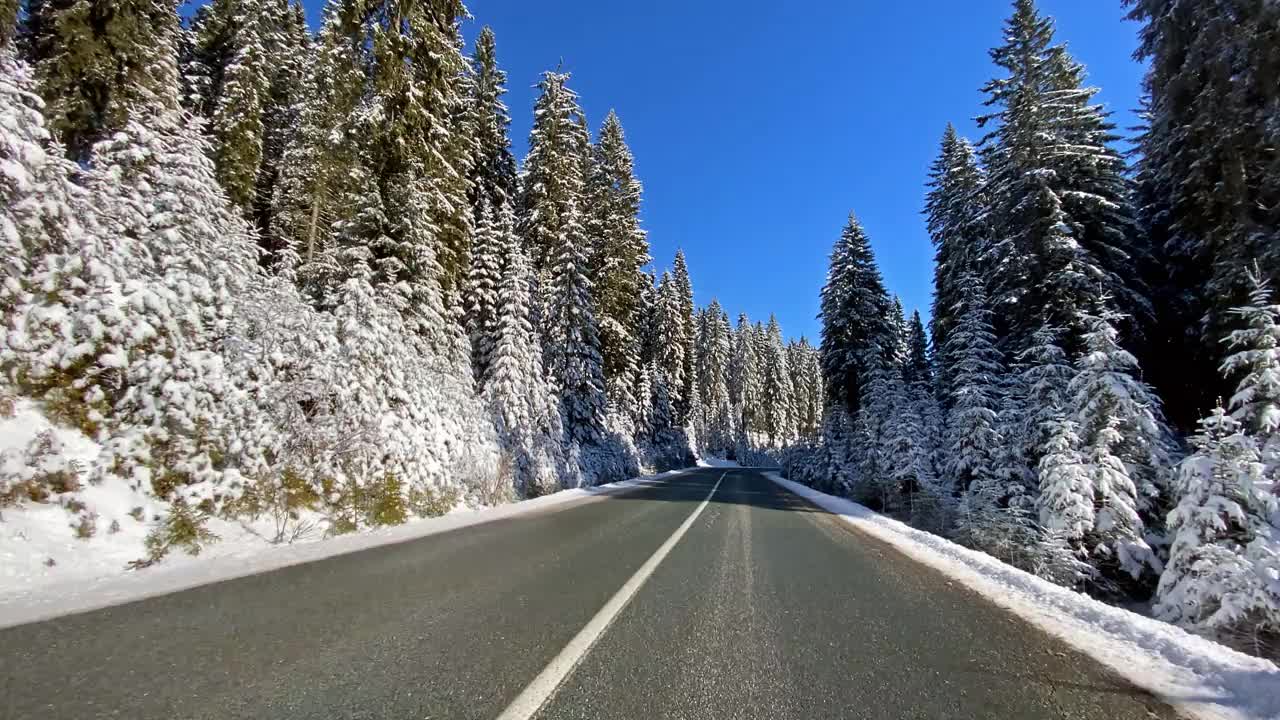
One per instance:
[(715, 345), (493, 174), (551, 226), (957, 213), (1208, 184), (669, 338), (514, 383), (1224, 539), (1255, 360), (1226, 526), (634, 399), (746, 382), (488, 253), (662, 412), (291, 57), (551, 200), (909, 453), (916, 367), (779, 404), (231, 40), (1044, 374), (321, 164), (921, 388), (1066, 499), (383, 126), (416, 95), (899, 334), (40, 207), (642, 413), (250, 58), (1063, 231), (620, 250), (880, 390), (806, 378), (92, 73), (126, 336), (837, 473), (687, 392), (971, 436), (1127, 450), (854, 307)]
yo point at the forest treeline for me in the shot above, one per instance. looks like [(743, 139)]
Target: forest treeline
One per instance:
[(284, 274), (1097, 398)]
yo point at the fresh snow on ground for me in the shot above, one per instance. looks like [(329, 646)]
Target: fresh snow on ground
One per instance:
[(31, 592), (1199, 677), (38, 543)]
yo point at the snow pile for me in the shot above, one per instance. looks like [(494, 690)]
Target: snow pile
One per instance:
[(1200, 677)]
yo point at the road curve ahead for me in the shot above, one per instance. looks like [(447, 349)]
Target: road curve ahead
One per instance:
[(714, 594)]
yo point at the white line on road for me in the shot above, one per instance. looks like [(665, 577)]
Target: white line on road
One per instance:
[(531, 700)]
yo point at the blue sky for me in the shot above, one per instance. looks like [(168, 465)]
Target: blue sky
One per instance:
[(758, 126)]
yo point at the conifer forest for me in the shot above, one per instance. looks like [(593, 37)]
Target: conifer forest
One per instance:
[(259, 271)]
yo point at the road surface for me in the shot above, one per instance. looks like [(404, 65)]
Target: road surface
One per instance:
[(741, 603)]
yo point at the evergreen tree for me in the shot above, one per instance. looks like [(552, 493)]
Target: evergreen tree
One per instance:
[(921, 393), (381, 164), (854, 308), (662, 413), (779, 408), (971, 437), (715, 345), (248, 60), (899, 348), (1222, 538), (881, 391), (917, 368), (551, 201), (909, 448), (99, 60), (237, 116), (620, 249), (687, 392), (746, 383), (322, 165), (1127, 450), (528, 422), (1255, 360), (1066, 499), (493, 174), (1044, 374), (1064, 231), (245, 70), (1208, 185), (39, 206), (642, 414), (957, 211), (669, 341), (483, 285), (1225, 527), (551, 226), (806, 378)]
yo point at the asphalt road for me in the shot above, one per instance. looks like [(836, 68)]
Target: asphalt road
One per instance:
[(765, 608)]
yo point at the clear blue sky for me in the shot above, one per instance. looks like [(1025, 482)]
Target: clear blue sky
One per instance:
[(758, 126)]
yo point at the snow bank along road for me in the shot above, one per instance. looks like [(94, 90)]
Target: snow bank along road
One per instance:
[(713, 594)]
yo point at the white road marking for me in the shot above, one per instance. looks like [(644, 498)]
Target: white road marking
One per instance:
[(527, 704)]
